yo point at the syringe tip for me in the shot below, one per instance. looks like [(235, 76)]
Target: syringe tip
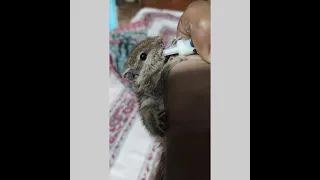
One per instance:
[(170, 51)]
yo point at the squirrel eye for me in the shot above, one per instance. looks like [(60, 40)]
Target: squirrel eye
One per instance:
[(143, 56)]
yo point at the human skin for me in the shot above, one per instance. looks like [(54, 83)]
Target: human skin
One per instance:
[(195, 23), (187, 100)]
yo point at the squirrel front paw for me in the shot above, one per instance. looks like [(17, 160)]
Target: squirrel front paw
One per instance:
[(162, 122)]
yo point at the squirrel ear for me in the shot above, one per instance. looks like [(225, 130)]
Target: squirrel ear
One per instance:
[(128, 74)]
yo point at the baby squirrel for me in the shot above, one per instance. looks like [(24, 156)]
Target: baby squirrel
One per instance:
[(147, 70)]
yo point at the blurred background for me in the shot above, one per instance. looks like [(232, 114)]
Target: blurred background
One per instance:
[(133, 153), (128, 8)]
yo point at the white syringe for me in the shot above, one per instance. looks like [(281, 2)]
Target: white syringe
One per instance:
[(184, 47)]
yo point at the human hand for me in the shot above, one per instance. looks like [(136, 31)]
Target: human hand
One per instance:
[(195, 23)]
